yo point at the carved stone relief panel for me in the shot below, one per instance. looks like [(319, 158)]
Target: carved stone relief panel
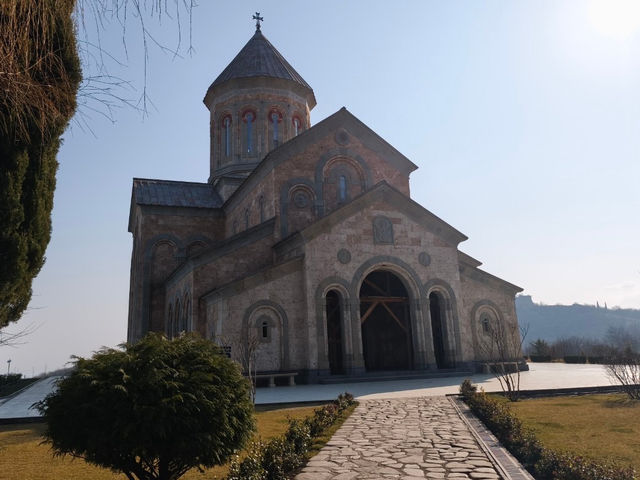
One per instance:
[(382, 230)]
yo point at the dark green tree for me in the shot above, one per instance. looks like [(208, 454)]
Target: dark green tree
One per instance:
[(152, 410), (40, 84), (39, 79), (539, 347)]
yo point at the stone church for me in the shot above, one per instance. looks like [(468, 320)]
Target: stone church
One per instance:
[(306, 243)]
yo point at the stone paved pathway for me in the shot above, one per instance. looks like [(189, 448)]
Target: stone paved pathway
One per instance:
[(412, 438)]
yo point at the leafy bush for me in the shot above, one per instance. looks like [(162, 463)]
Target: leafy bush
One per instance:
[(540, 358), (575, 359), (543, 463), (10, 379), (283, 455), (299, 436), (250, 468), (467, 389), (565, 466), (152, 410)]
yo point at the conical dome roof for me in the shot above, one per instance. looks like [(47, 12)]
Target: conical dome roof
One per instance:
[(259, 58)]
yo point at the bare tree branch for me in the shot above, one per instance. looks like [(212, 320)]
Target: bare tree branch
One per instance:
[(15, 338), (501, 347), (624, 369)]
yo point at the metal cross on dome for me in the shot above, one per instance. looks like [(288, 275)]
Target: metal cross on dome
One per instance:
[(258, 19)]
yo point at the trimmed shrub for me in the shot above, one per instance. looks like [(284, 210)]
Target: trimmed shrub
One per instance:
[(151, 410), (575, 359), (565, 466), (283, 455), (467, 389), (540, 358), (250, 468), (543, 463), (597, 360), (10, 378)]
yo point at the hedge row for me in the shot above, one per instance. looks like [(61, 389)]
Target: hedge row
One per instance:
[(10, 378), (543, 463), (283, 455), (569, 359)]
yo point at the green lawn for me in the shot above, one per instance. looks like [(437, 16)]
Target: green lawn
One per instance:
[(23, 457), (604, 427)]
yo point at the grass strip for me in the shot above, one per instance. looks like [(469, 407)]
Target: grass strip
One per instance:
[(544, 463)]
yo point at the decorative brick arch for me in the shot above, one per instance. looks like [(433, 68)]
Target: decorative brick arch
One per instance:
[(332, 155), (420, 337), (342, 286), (452, 320), (253, 312), (196, 241), (147, 257), (285, 193), (483, 306)]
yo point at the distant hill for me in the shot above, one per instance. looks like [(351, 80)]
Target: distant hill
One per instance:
[(551, 322)]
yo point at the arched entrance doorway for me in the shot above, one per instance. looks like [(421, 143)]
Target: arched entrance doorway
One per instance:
[(385, 321), (438, 320), (334, 332)]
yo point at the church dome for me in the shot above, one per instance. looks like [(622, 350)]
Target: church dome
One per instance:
[(259, 58), (256, 104)]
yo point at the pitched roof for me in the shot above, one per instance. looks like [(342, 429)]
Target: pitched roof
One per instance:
[(175, 194), (382, 191), (259, 58), (342, 119)]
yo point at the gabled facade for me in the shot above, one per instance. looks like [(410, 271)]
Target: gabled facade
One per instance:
[(306, 243)]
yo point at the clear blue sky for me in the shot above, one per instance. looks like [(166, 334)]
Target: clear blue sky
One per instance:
[(524, 118)]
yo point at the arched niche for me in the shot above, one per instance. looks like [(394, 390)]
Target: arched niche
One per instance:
[(272, 351), (443, 321)]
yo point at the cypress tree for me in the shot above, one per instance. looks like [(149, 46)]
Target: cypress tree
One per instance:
[(39, 79)]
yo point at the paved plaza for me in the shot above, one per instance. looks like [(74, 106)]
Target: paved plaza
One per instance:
[(540, 376)]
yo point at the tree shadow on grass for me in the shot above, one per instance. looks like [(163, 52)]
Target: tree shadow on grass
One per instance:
[(624, 402)]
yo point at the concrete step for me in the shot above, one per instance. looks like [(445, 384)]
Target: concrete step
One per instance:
[(382, 376)]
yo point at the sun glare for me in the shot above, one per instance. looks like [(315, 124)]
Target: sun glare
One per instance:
[(615, 18)]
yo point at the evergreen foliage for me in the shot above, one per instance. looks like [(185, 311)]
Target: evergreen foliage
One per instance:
[(543, 463), (282, 456), (39, 79), (152, 410)]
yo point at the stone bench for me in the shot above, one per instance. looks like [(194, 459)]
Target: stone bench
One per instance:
[(272, 377), (507, 367)]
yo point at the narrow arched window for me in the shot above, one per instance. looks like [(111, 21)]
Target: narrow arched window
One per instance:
[(275, 118), (265, 329), (249, 118), (261, 207), (486, 327), (176, 322), (296, 126), (227, 136), (246, 218), (187, 316), (235, 227), (342, 188)]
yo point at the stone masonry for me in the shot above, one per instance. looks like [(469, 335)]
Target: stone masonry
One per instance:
[(411, 439), (305, 240)]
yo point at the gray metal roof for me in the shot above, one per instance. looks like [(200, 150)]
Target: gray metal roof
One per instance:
[(175, 194), (259, 58)]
